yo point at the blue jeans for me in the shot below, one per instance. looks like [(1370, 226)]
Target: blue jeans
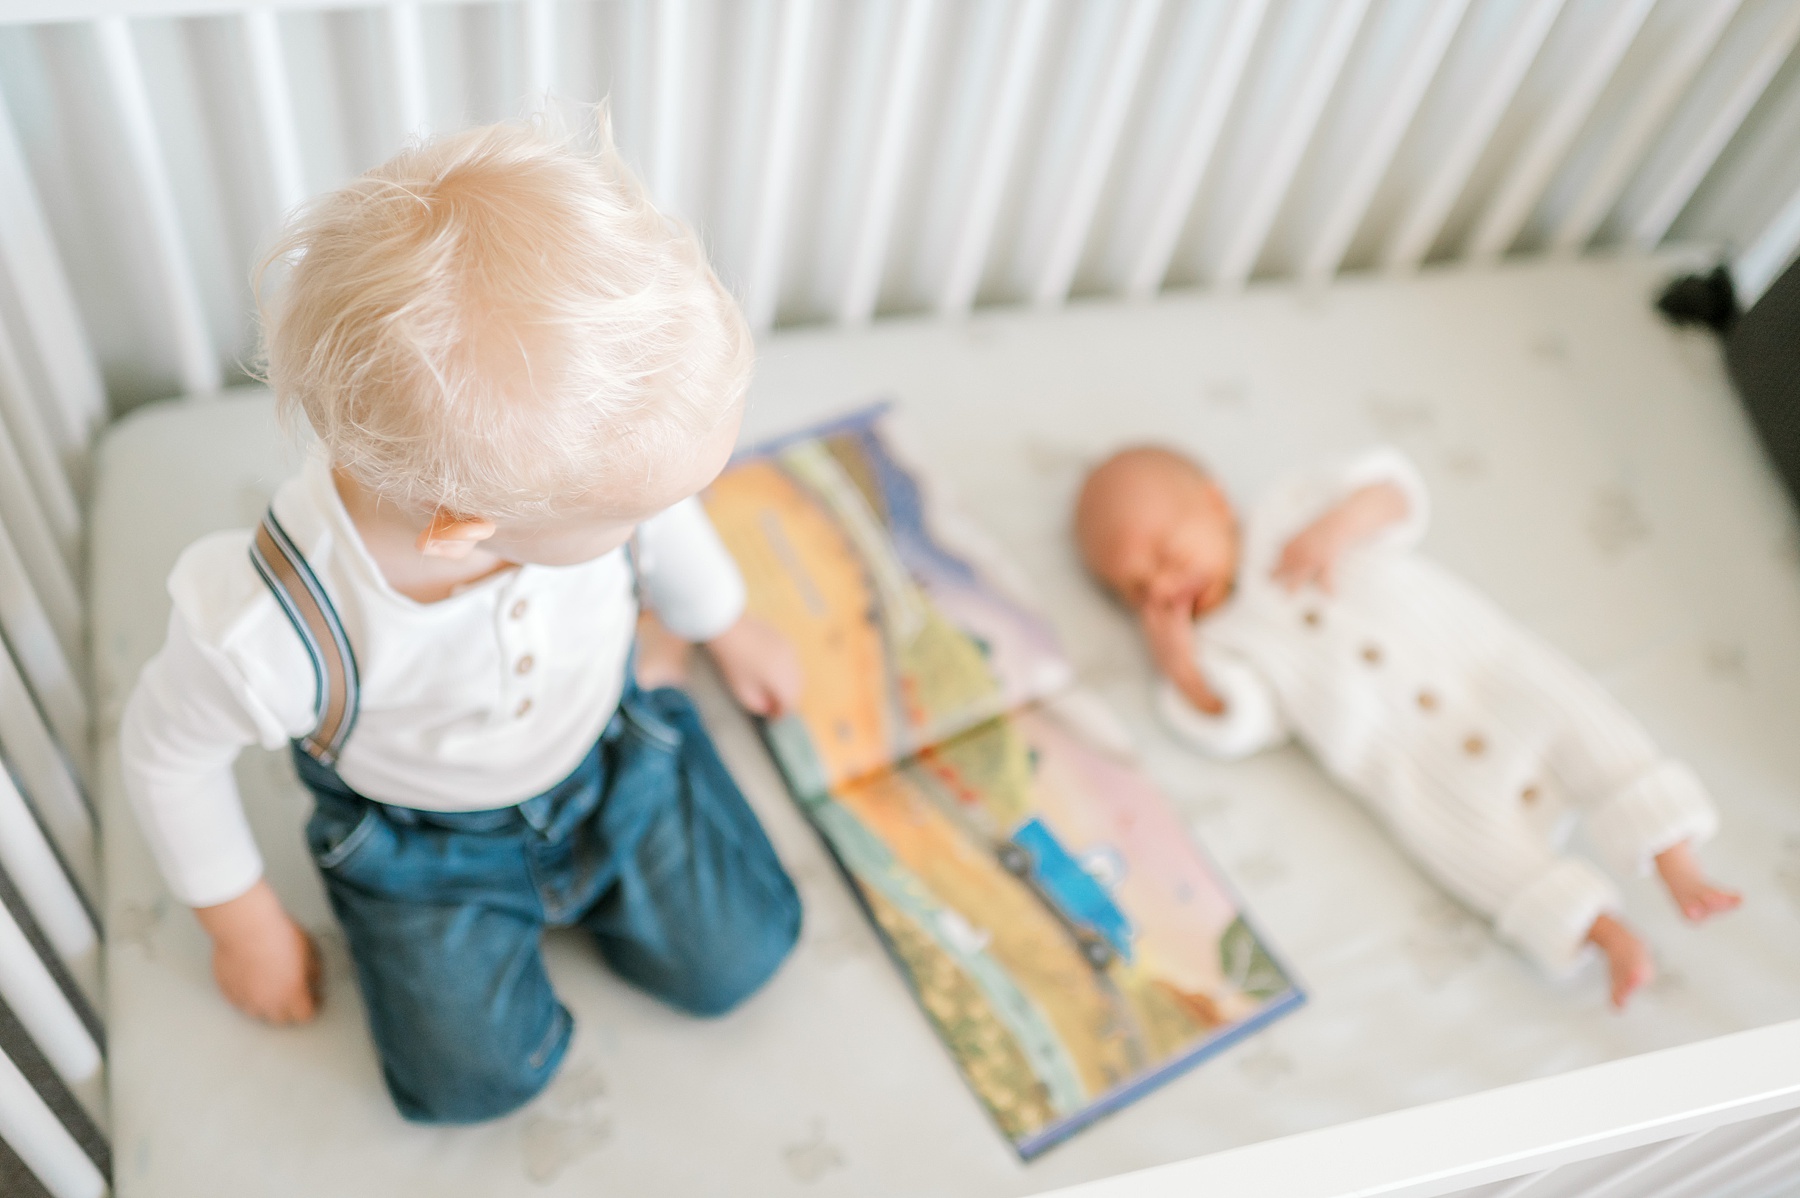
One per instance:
[(648, 845)]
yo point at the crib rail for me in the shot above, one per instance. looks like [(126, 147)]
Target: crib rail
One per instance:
[(1720, 1119)]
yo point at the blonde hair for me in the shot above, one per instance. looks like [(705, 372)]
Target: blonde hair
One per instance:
[(496, 321)]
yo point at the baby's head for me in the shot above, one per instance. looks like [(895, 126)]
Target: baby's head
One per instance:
[(498, 332), (1157, 530)]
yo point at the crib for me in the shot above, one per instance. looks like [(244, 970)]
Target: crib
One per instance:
[(1266, 228)]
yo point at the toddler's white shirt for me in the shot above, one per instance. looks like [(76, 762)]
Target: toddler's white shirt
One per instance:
[(478, 701), (1467, 735)]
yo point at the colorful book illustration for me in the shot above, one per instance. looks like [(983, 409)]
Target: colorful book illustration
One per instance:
[(1067, 939)]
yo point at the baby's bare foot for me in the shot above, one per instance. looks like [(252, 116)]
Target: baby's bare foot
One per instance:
[(1627, 959), (1697, 897), (1704, 900)]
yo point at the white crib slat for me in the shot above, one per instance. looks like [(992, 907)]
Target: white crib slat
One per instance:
[(1782, 1167), (275, 106), (743, 131), (37, 453), (406, 57), (43, 562), (1245, 243), (1224, 75), (1646, 118), (899, 111), (30, 750), (47, 302), (198, 363), (1652, 224), (1419, 227), (34, 870), (668, 117), (769, 233), (1357, 190), (540, 50), (999, 150), (1766, 257), (1076, 219), (1520, 1185), (1642, 1166), (978, 54), (39, 1003), (32, 1130), (26, 627), (632, 50), (1524, 185), (1718, 1165)]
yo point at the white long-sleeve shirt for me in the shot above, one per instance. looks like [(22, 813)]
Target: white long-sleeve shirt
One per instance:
[(480, 700), (1467, 735)]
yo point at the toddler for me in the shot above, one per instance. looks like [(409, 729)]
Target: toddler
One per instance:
[(519, 373), (1468, 736)]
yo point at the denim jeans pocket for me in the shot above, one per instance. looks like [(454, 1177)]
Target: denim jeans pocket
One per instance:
[(645, 723), (333, 839)]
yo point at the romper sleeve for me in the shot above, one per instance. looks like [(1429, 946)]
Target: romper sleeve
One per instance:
[(1297, 500), (1385, 464), (1252, 720), (689, 578)]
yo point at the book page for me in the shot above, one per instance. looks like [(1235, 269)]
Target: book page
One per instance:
[(1067, 939), (905, 636)]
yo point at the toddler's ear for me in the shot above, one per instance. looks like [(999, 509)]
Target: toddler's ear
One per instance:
[(453, 537)]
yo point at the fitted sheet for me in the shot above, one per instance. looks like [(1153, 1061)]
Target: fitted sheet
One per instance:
[(1590, 469)]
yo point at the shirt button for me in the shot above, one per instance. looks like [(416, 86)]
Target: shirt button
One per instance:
[(1428, 701), (1372, 654), (1529, 795), (523, 709), (519, 609), (1312, 617), (1474, 746), (525, 664)]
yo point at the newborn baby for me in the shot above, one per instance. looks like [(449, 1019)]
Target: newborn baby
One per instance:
[(1467, 735)]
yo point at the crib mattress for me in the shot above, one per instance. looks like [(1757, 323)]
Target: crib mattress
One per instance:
[(1590, 469)]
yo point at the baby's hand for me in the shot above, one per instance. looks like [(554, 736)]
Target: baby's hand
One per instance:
[(759, 666), (1312, 556), (1698, 898), (264, 963), (1169, 631)]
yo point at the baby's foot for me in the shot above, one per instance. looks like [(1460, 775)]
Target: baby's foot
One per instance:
[(1697, 897), (1627, 958)]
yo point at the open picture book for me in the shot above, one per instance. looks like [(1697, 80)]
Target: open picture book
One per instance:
[(1066, 937)]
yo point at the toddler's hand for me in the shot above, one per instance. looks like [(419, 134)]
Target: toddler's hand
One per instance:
[(759, 666), (1698, 898), (264, 963)]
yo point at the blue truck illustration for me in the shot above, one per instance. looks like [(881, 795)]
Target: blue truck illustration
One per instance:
[(1071, 891)]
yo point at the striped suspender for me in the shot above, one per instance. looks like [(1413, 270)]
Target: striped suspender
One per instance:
[(308, 608)]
